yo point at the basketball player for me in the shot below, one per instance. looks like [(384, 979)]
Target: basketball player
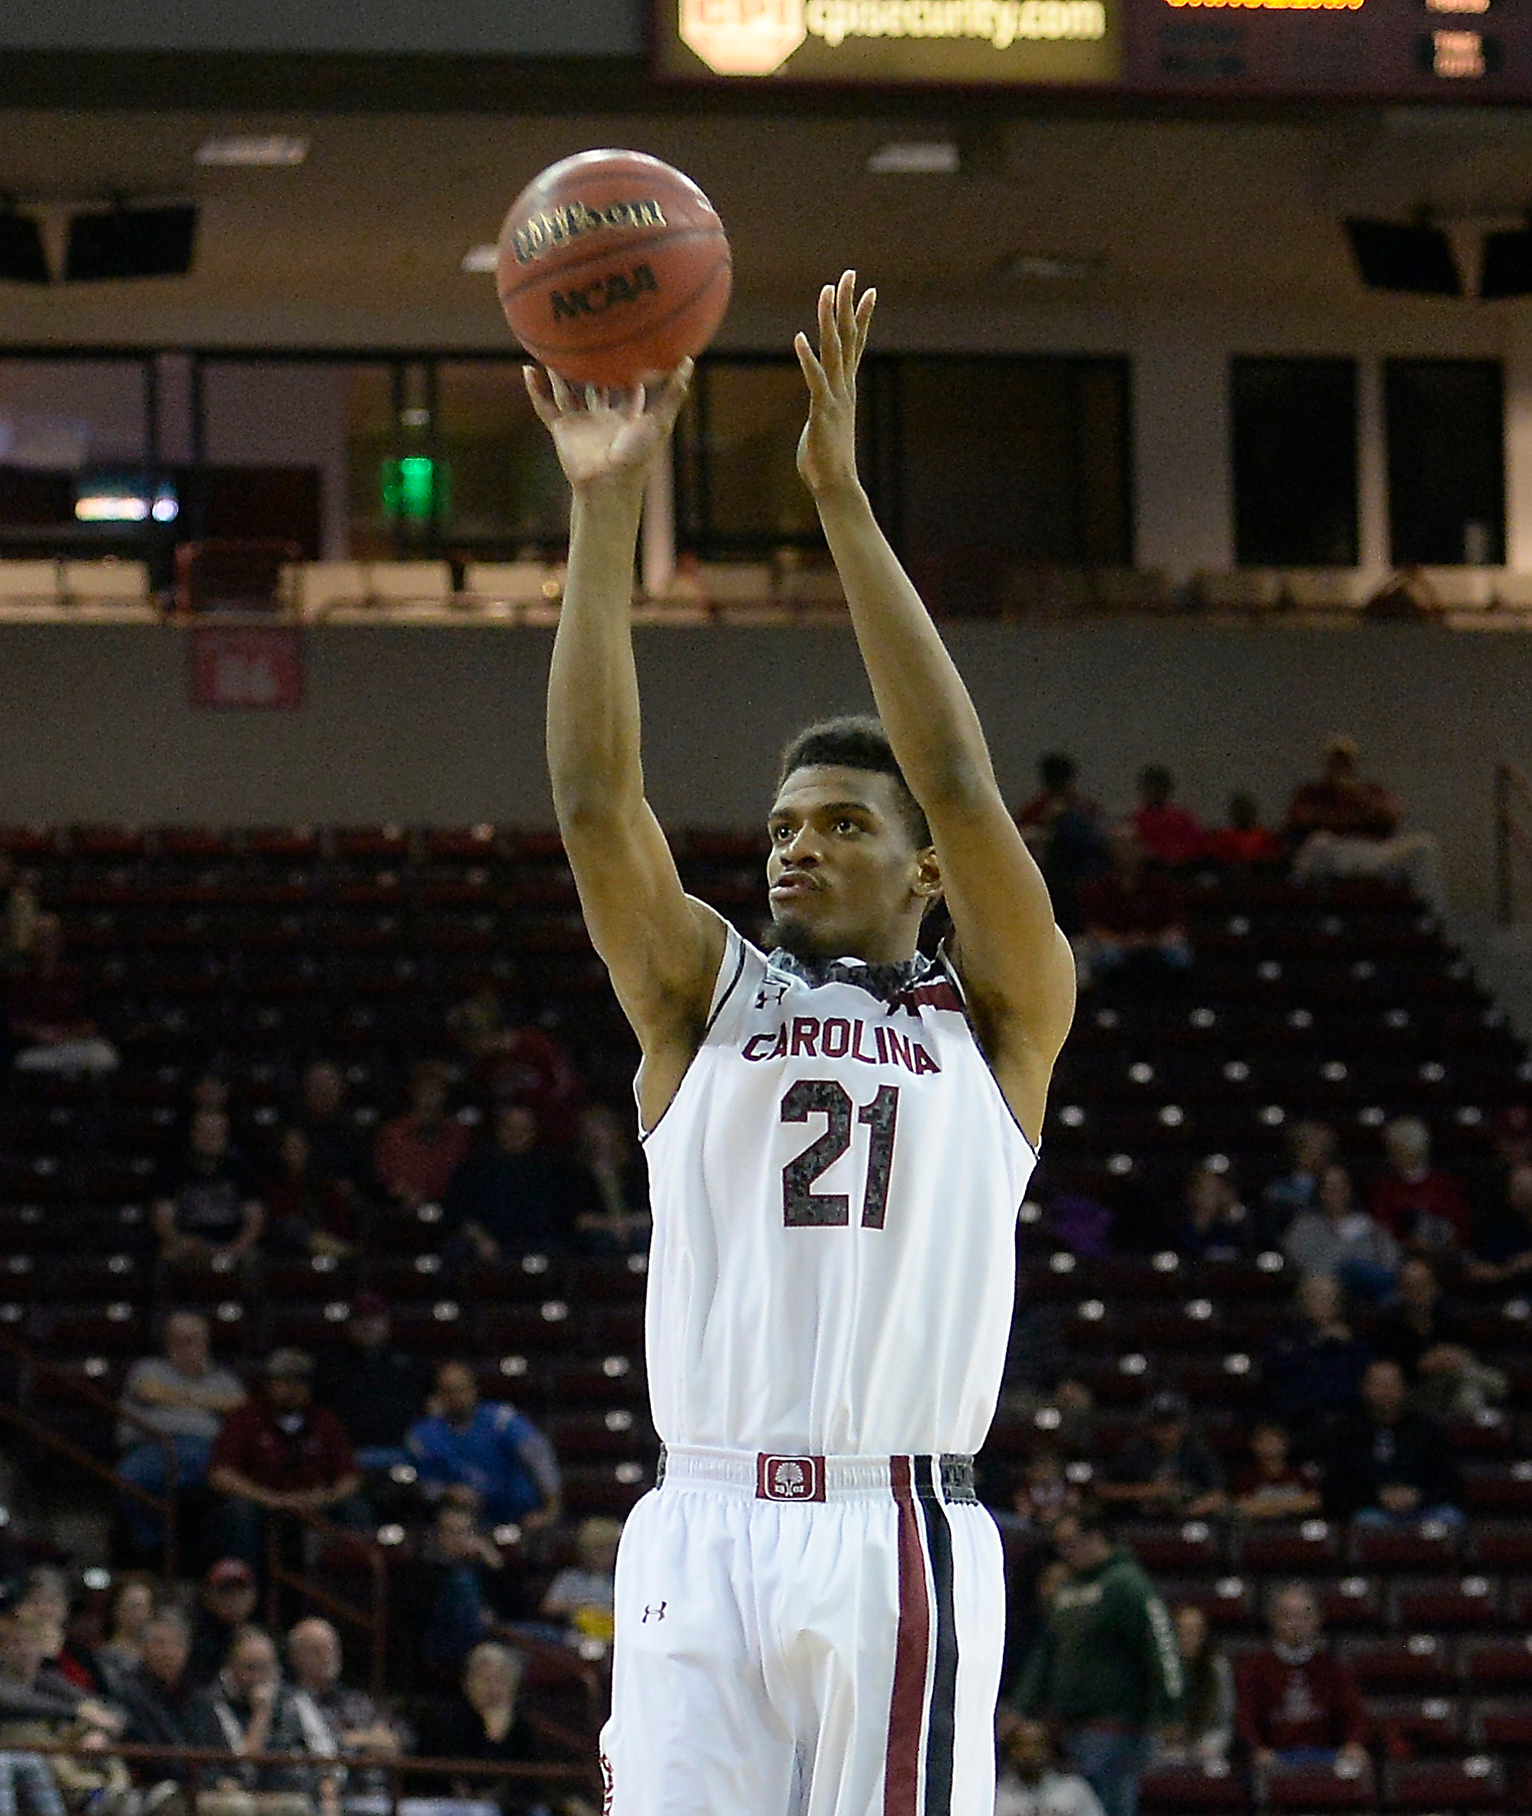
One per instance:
[(810, 1605)]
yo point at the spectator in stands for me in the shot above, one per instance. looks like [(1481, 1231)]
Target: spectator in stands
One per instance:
[(132, 1609), (509, 1197), (1043, 1492), (185, 1396), (1271, 1486), (19, 915), (248, 1709), (38, 1708), (1134, 923), (1244, 841), (279, 1453), (1422, 1208), (1344, 826), (1206, 1725), (1167, 833), (46, 1599), (225, 1605), (1425, 1337), (372, 1386), (1296, 1701), (610, 1185), (50, 1028), (1029, 1781), (1166, 1472), (1315, 1362), (158, 1693), (416, 1155), (484, 1719), (1063, 828), (458, 1582), (337, 1152), (1105, 1671), (1311, 1147), (334, 1717), (1503, 1248), (583, 1594), (520, 1065), (1387, 1465), (487, 1446), (307, 1214), (1216, 1226), (1338, 1237), (205, 1206)]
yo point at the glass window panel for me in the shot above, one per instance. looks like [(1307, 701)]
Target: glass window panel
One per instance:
[(507, 494), (738, 489), (1295, 462), (1446, 460)]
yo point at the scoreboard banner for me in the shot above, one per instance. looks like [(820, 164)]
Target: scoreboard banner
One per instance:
[(1386, 50)]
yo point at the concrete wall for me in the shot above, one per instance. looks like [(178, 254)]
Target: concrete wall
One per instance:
[(445, 725)]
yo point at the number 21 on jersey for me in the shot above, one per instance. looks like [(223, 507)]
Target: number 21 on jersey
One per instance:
[(802, 1206)]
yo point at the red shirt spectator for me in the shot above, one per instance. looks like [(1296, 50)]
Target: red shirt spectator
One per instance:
[(1341, 802), (1296, 1694), (283, 1444), (1423, 1209), (1165, 831), (520, 1065), (416, 1155), (1244, 840), (1142, 906)]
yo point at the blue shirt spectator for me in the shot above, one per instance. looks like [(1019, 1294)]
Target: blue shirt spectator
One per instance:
[(487, 1446)]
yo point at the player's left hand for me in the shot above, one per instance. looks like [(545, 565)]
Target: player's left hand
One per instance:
[(827, 447)]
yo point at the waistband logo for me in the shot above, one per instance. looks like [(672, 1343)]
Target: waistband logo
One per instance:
[(790, 1478)]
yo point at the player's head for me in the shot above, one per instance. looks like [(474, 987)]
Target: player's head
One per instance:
[(852, 870)]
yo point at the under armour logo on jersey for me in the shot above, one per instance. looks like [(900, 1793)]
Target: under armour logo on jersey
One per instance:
[(654, 1611), (770, 992)]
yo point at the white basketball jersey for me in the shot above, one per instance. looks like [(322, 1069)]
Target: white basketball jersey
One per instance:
[(835, 1188)]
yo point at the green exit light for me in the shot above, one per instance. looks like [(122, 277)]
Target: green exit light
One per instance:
[(415, 489)]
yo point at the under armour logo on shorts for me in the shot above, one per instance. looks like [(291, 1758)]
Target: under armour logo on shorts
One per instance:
[(789, 1478), (654, 1611)]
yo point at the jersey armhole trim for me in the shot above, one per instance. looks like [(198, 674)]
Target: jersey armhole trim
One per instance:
[(944, 959), (740, 948)]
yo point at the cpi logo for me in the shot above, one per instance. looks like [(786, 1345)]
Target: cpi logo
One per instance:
[(742, 37)]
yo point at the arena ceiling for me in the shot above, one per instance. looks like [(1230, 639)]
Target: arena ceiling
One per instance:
[(363, 242)]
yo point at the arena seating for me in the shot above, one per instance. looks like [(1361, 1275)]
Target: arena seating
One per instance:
[(262, 948)]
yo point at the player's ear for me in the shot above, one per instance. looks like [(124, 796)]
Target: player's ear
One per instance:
[(928, 874)]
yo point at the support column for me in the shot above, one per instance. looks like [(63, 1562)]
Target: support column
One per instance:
[(657, 559), (1183, 480), (1374, 556), (1518, 460)]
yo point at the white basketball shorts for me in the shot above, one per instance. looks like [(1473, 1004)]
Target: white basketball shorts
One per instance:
[(806, 1636)]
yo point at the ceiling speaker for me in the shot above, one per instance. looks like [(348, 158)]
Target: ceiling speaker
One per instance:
[(131, 242), (1415, 259)]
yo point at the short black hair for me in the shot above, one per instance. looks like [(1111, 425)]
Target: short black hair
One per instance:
[(855, 741)]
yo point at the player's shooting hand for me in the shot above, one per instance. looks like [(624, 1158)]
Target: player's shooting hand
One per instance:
[(605, 437), (827, 447)]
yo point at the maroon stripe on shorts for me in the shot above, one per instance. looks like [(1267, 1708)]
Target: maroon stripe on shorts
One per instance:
[(906, 1710)]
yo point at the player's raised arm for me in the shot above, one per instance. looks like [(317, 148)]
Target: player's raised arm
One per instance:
[(1016, 966), (662, 948)]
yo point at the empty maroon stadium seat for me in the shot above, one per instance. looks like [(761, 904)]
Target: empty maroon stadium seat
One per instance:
[(606, 1488), (1492, 1664), (1430, 1545), (1500, 1544), (1476, 1782), (1347, 1603), (1229, 1602), (1498, 1488), (1504, 1725), (1167, 1790), (1415, 1662), (1317, 1787), (1185, 1548), (1301, 1547), (1433, 1604), (1413, 1724)]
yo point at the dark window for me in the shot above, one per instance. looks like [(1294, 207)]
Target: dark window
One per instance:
[(1295, 480), (979, 468), (1446, 460)]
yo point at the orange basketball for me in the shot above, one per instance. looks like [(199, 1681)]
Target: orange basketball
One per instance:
[(613, 265)]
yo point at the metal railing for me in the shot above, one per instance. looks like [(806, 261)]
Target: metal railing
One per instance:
[(167, 1506), (1513, 837)]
